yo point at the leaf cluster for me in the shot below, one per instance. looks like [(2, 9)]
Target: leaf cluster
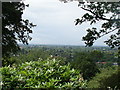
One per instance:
[(108, 12), (98, 11), (41, 74)]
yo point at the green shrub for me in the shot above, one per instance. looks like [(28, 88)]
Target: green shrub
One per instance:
[(108, 78), (41, 74)]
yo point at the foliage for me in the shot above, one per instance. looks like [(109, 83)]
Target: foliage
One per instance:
[(108, 78), (47, 74), (65, 54), (86, 63), (96, 12), (14, 28)]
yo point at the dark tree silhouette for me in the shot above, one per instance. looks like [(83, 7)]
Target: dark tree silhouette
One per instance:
[(14, 28), (98, 11)]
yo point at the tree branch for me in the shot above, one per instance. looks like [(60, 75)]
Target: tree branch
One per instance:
[(107, 33), (96, 15)]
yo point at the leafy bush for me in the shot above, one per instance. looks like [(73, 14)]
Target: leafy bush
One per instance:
[(41, 74), (108, 78)]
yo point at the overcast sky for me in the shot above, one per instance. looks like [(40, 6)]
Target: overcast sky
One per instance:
[(55, 22)]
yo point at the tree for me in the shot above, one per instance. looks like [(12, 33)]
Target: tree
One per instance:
[(98, 11), (84, 61), (108, 78), (14, 28)]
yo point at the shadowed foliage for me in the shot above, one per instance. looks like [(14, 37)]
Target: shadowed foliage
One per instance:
[(14, 28)]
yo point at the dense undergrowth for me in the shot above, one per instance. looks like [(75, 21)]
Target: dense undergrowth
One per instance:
[(41, 74)]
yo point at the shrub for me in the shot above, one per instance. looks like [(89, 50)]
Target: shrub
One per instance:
[(108, 78), (41, 74)]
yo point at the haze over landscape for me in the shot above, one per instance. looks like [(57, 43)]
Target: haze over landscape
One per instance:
[(55, 22)]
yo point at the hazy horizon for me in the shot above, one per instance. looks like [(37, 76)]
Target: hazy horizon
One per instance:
[(64, 45), (55, 22)]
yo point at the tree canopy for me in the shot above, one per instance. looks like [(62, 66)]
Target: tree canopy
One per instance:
[(108, 12), (14, 27)]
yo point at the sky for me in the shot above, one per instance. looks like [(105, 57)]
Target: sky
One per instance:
[(55, 22)]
